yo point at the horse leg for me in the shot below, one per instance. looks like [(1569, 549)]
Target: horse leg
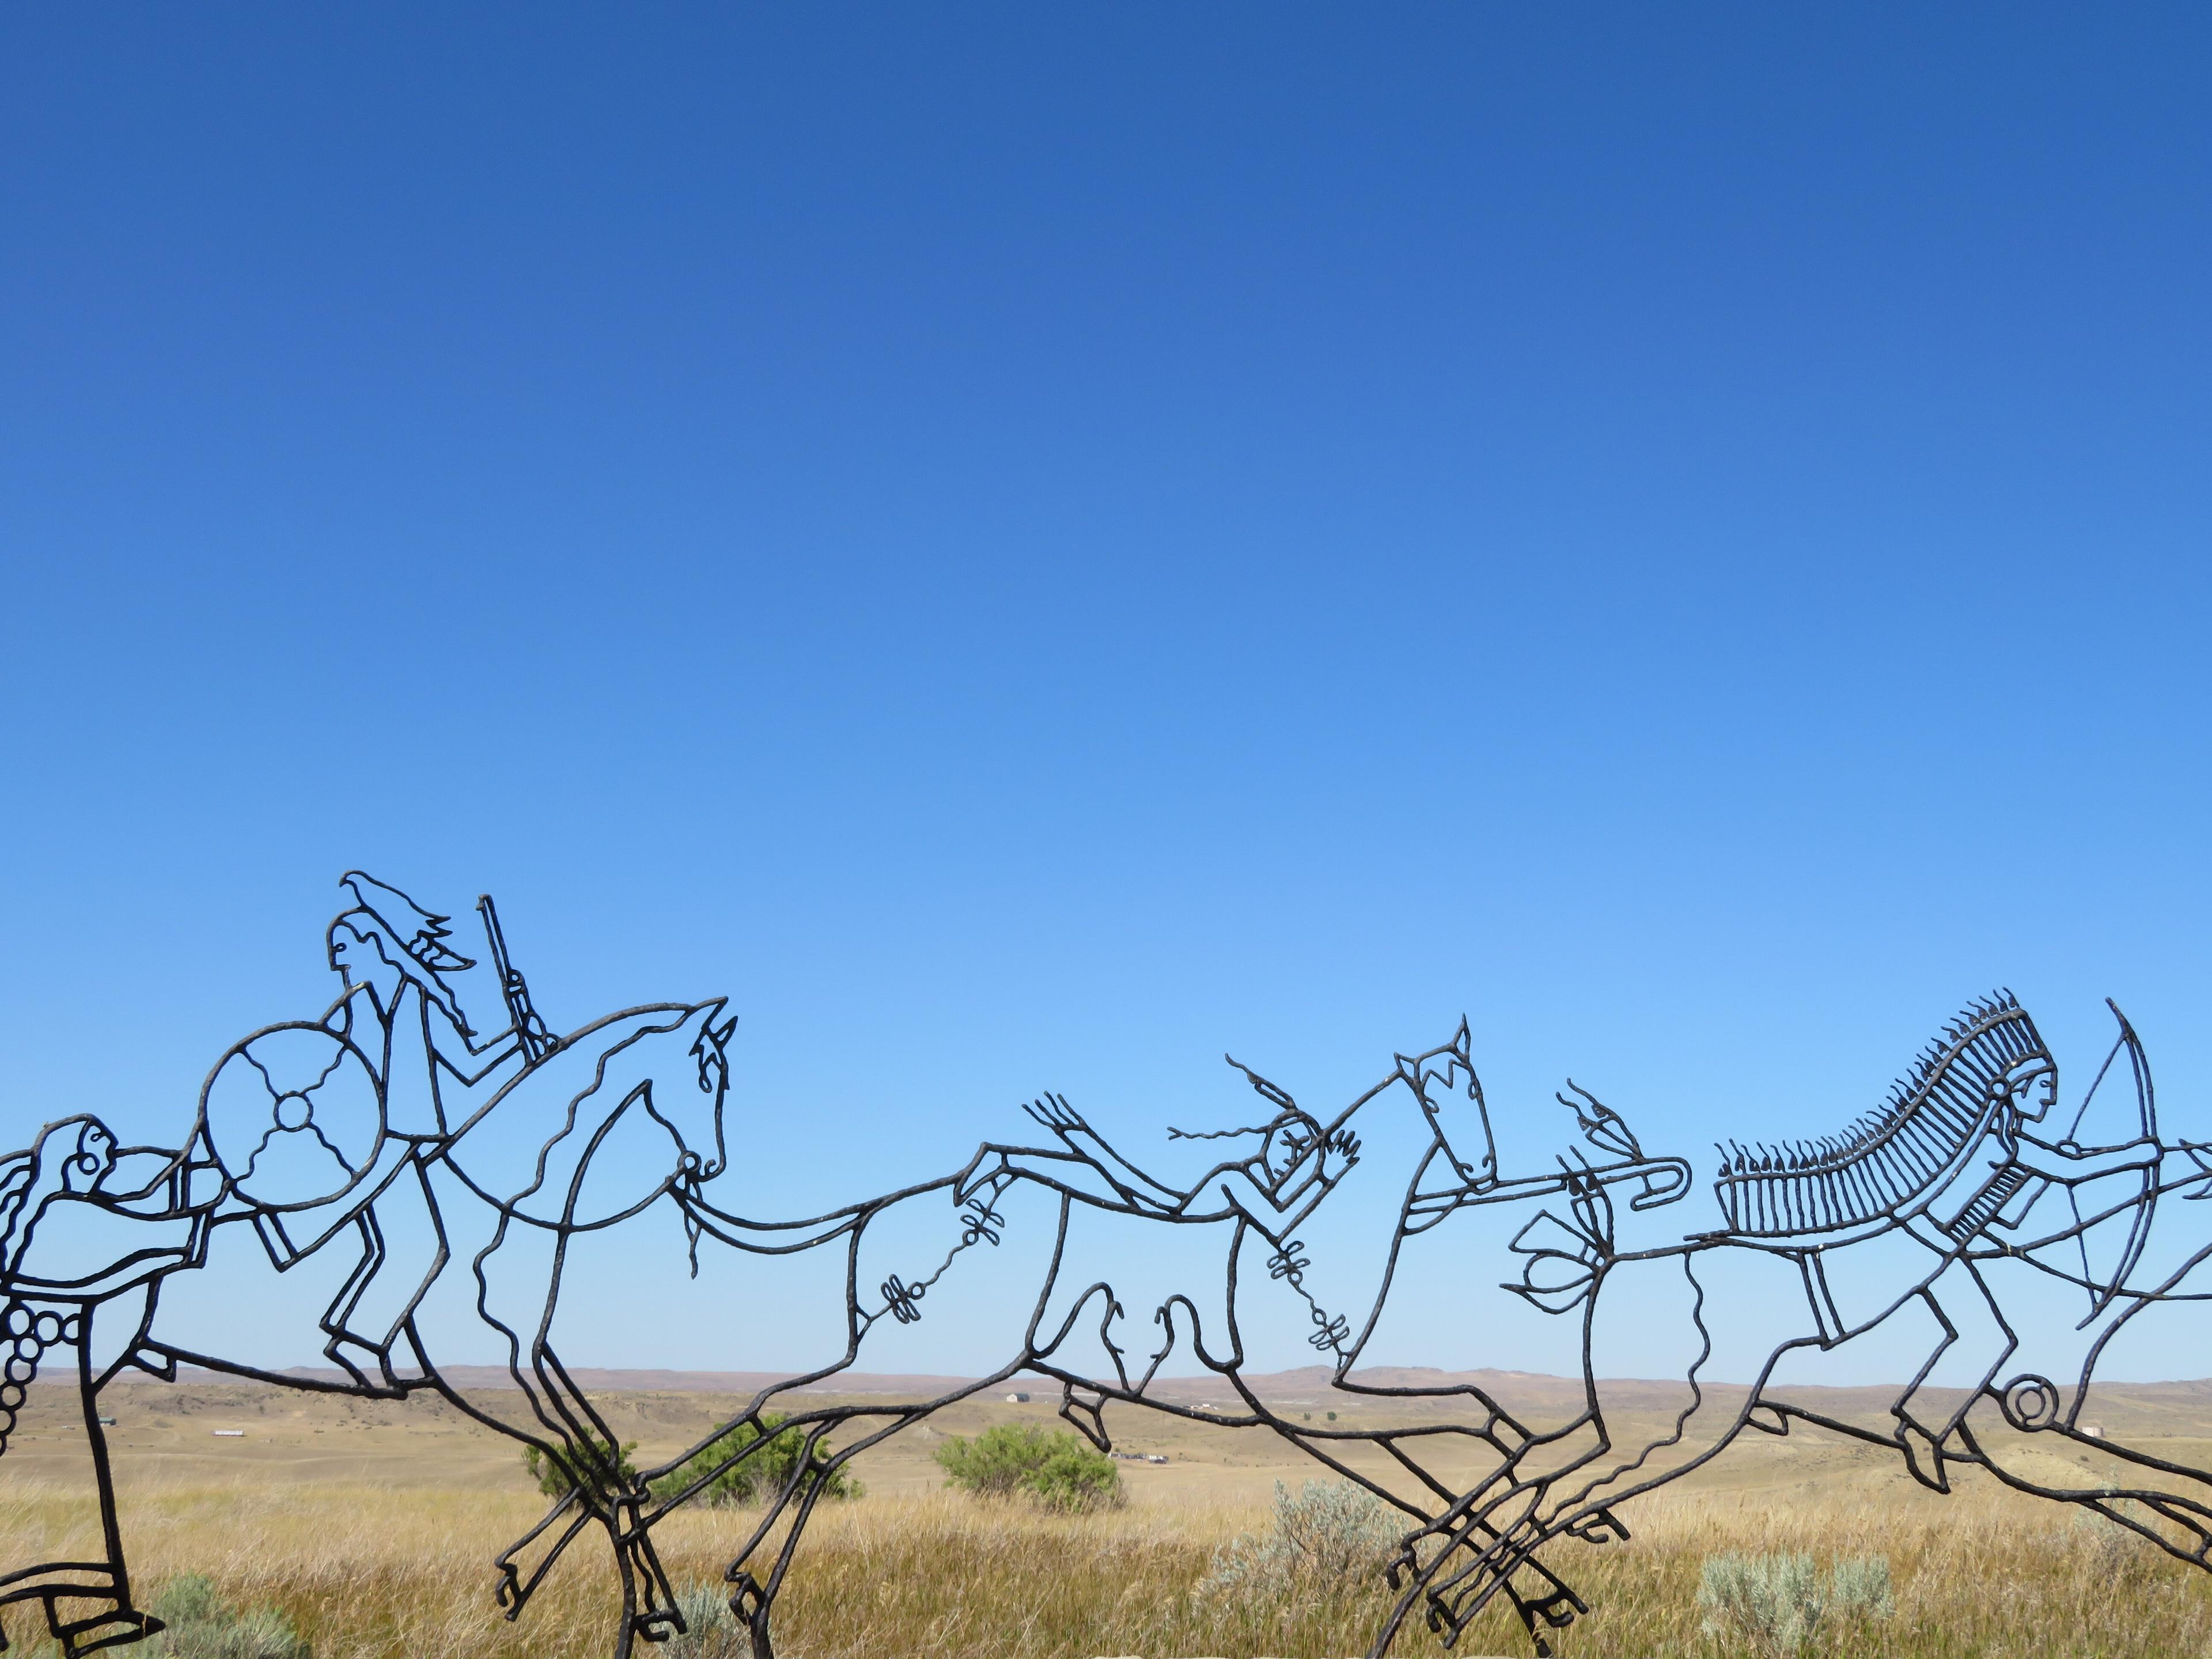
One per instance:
[(648, 1605), (1575, 1497), (596, 1456), (2191, 1516), (513, 1590), (657, 1619), (1499, 1554), (754, 1601), (1502, 1537), (626, 1630)]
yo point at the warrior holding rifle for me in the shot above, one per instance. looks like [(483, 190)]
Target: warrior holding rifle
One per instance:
[(337, 1123)]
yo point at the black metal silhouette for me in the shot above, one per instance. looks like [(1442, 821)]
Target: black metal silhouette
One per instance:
[(361, 1130)]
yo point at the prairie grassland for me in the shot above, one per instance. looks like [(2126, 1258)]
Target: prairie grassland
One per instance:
[(377, 1572)]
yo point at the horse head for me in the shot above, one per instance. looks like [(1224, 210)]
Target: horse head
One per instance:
[(665, 1065), (1444, 1081), (1445, 1078), (702, 1130)]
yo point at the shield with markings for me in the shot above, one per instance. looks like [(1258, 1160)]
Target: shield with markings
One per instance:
[(294, 1115)]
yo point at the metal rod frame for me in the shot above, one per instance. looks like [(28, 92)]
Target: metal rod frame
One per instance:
[(317, 1134)]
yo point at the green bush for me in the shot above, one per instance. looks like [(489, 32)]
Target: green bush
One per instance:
[(1331, 1543), (1778, 1602), (200, 1626), (1075, 1476), (769, 1469), (554, 1478), (1053, 1467)]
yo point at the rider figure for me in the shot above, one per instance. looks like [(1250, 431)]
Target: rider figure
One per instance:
[(2010, 1169), (2013, 1166), (1275, 1188), (400, 1009)]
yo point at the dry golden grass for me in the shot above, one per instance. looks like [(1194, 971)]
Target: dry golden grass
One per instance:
[(374, 1527), (373, 1572)]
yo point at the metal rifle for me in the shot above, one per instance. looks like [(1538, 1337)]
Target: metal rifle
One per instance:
[(530, 1033)]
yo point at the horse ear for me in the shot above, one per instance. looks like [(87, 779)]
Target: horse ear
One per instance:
[(722, 1033), (1463, 1045)]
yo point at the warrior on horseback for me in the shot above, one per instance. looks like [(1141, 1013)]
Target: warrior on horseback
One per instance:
[(1953, 1160), (1296, 1165), (398, 1033), (1953, 1163), (344, 1122)]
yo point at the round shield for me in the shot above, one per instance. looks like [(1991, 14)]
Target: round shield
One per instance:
[(294, 1115)]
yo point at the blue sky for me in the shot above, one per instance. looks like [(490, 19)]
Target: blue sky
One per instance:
[(1031, 547)]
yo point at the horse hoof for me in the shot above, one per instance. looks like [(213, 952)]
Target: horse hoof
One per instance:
[(1923, 1457), (112, 1631), (657, 1626)]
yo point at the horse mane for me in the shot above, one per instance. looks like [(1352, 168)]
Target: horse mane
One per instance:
[(1890, 1156)]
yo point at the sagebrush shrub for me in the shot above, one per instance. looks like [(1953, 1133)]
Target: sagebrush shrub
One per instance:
[(1330, 1541), (1779, 1603), (710, 1629), (1859, 1588), (202, 1626)]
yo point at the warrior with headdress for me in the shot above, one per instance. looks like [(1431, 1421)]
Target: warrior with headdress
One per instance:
[(1955, 1158)]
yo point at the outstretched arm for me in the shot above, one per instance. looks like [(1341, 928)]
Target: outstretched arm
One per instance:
[(1082, 1165), (1087, 1144), (2064, 1162)]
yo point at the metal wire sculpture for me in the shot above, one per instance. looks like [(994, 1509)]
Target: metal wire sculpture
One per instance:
[(359, 1132)]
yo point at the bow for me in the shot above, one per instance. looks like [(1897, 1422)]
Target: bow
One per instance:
[(2146, 1200)]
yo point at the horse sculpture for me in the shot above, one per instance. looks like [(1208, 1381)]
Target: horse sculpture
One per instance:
[(293, 1138), (1951, 1170), (391, 1126), (1421, 1136), (1264, 1215)]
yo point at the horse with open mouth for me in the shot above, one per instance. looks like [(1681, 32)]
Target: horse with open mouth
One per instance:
[(600, 1126), (1289, 1225), (1916, 1208), (1419, 1139)]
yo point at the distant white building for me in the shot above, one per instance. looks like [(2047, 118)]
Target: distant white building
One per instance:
[(1017, 1399)]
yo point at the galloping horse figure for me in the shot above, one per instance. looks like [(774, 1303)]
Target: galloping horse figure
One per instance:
[(390, 1120), (1271, 1227), (1420, 1139), (597, 1127), (299, 1136), (1909, 1208)]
